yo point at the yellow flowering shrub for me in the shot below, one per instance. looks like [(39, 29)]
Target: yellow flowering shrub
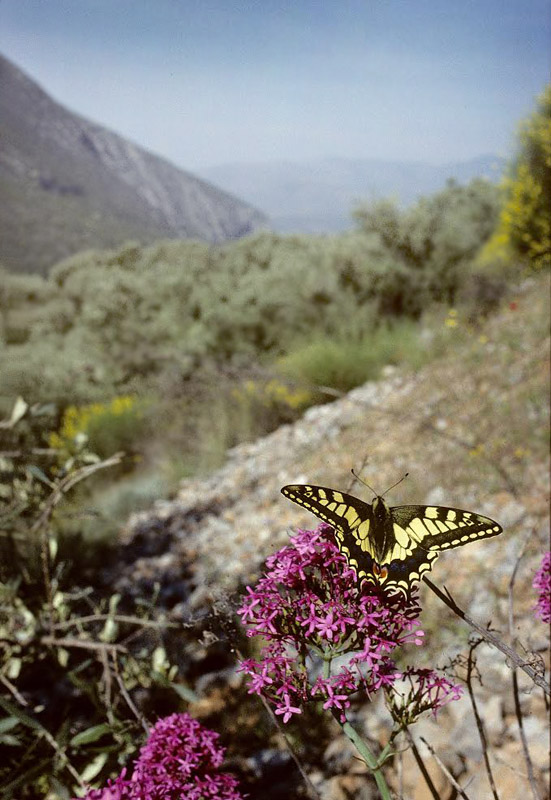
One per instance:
[(524, 227), (104, 427), (451, 320), (274, 396)]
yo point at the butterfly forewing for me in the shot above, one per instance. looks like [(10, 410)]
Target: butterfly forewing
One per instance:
[(414, 534), (343, 511), (351, 518)]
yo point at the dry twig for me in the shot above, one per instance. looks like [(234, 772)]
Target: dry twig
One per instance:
[(445, 770), (421, 764), (518, 710), (490, 637), (478, 720)]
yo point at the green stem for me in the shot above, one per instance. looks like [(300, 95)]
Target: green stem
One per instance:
[(373, 764), (361, 746)]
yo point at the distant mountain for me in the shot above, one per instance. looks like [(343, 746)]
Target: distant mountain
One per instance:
[(318, 196), (67, 184)]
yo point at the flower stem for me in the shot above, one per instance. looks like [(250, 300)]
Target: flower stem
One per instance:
[(366, 754)]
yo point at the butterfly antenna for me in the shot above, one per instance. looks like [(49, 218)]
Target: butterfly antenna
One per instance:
[(395, 484), (361, 480)]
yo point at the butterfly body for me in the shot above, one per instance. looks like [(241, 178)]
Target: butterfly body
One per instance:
[(391, 546)]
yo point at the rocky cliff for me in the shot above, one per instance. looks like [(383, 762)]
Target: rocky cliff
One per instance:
[(67, 184)]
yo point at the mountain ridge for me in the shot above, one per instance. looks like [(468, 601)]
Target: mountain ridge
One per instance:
[(70, 184)]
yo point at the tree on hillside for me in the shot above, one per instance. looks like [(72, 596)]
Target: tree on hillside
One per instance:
[(524, 227)]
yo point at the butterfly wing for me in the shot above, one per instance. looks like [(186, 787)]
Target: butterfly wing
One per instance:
[(422, 532), (436, 528), (351, 518)]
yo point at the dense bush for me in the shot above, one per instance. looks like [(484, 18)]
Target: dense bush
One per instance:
[(103, 427), (116, 322), (342, 364), (430, 245)]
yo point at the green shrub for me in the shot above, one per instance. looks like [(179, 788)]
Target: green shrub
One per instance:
[(63, 641), (428, 246), (344, 364)]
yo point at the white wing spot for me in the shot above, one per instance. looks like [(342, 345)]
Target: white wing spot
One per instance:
[(431, 512)]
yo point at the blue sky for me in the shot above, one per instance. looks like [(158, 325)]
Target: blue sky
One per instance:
[(205, 82)]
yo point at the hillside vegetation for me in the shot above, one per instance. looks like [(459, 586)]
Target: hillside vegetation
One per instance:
[(216, 344), (171, 353), (182, 321)]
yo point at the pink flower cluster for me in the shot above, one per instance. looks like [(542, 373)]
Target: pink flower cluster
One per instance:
[(542, 583), (180, 759), (326, 637), (421, 690)]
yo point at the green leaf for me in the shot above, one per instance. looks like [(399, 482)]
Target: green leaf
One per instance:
[(52, 548), (8, 723), (90, 734), (36, 472), (18, 412), (9, 740), (46, 409), (94, 768), (62, 656), (14, 711), (109, 631), (185, 692)]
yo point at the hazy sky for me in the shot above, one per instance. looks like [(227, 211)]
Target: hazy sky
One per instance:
[(205, 82)]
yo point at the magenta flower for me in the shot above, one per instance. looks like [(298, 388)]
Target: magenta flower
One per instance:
[(314, 619), (542, 583), (420, 690), (180, 759)]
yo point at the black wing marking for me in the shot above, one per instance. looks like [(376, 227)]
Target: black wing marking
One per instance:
[(343, 511), (350, 517)]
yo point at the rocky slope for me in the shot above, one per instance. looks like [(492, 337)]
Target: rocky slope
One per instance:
[(472, 430), (68, 184)]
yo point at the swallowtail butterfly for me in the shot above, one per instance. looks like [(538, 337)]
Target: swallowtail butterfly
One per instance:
[(388, 546)]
